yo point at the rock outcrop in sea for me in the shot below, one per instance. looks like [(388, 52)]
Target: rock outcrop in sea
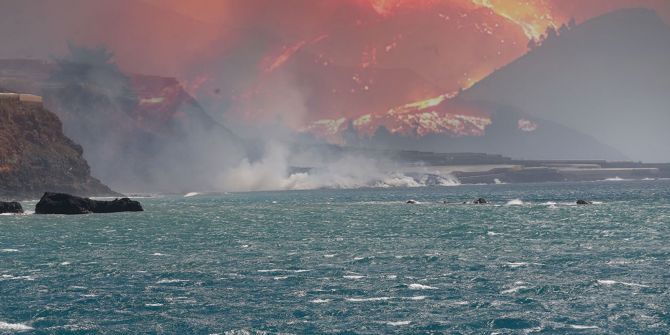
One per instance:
[(10, 207), (61, 203), (480, 201)]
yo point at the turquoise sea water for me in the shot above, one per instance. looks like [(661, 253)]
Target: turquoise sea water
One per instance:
[(349, 261)]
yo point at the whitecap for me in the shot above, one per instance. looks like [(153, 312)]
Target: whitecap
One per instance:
[(514, 202), (14, 326), (608, 282), (618, 262), (280, 277), (65, 263), (398, 323), (418, 297), (191, 194), (170, 281), (514, 289), (367, 299), (516, 264), (157, 254), (329, 255), (153, 305), (353, 277), (583, 327), (9, 250), (320, 301), (421, 287), (520, 264), (11, 277), (492, 233)]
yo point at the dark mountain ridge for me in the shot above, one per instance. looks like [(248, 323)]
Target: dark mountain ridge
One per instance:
[(608, 77)]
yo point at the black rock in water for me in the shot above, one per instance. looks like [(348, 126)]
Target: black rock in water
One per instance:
[(480, 201), (10, 207), (117, 205), (584, 202), (413, 202), (61, 203)]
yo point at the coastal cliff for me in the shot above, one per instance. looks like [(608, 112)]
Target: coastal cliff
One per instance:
[(35, 155)]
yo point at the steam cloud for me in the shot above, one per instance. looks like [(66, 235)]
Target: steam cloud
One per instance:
[(273, 172)]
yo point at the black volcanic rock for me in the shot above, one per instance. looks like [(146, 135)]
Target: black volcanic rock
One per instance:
[(583, 202), (10, 207), (117, 205), (480, 201), (61, 203)]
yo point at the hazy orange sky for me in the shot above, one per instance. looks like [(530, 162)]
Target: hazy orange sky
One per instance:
[(342, 57)]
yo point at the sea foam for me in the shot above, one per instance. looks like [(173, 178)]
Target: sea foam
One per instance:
[(421, 287), (14, 326)]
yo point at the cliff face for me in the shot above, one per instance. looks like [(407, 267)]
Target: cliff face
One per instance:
[(35, 155), (139, 133)]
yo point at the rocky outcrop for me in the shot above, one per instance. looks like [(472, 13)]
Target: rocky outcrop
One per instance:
[(10, 207), (584, 202), (35, 154), (480, 201), (61, 203)]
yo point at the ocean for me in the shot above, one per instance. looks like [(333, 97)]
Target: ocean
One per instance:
[(349, 262)]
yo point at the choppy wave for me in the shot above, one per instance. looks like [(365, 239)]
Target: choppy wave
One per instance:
[(616, 179), (12, 277), (367, 299), (14, 326), (446, 269), (320, 301), (609, 282), (172, 281), (514, 202), (583, 327), (421, 287)]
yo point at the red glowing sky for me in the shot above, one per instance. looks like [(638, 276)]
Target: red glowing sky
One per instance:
[(302, 59)]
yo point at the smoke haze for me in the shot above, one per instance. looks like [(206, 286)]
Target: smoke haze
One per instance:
[(177, 96)]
